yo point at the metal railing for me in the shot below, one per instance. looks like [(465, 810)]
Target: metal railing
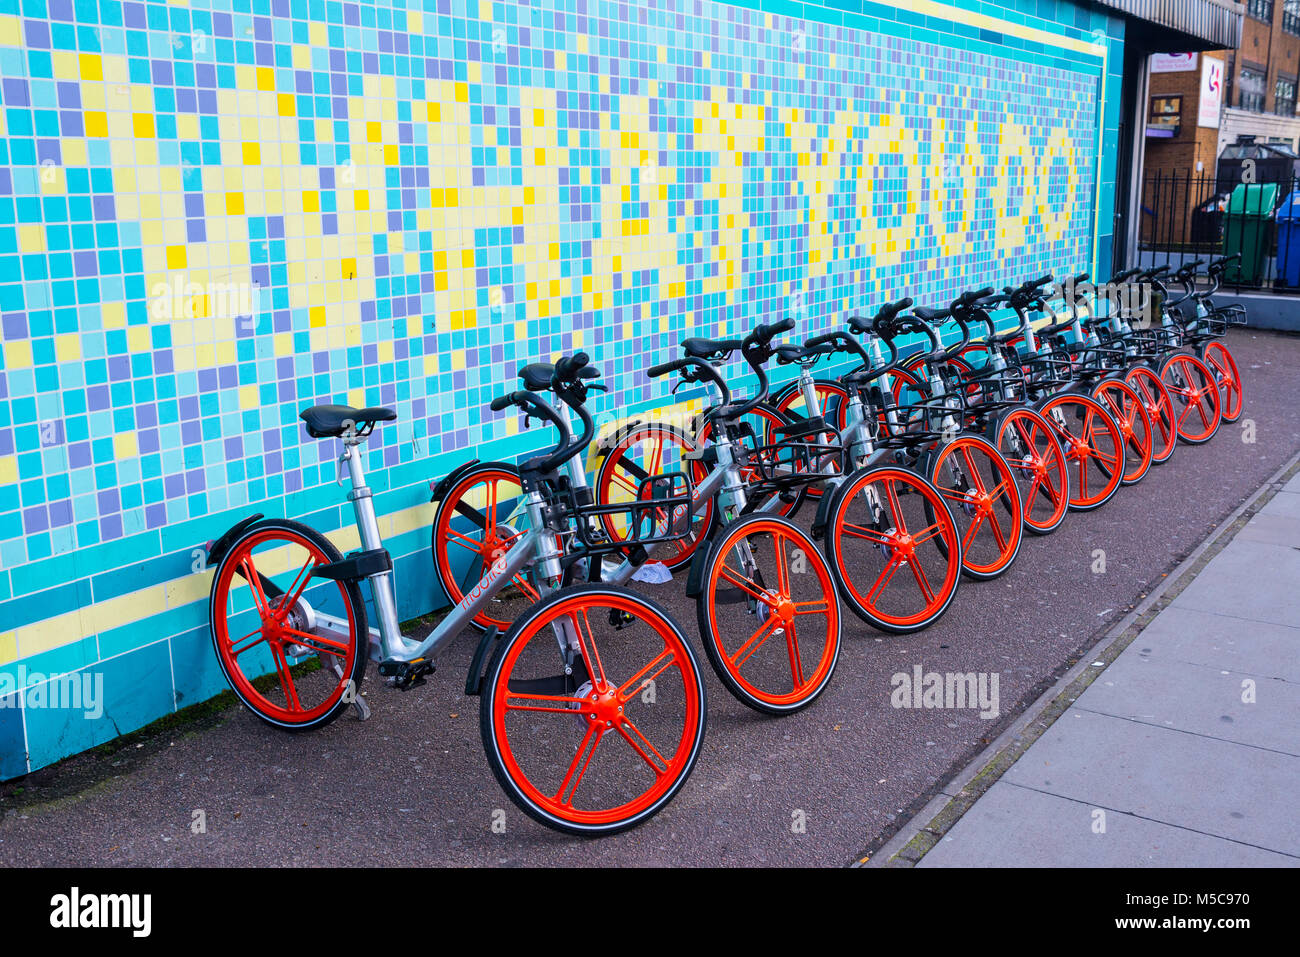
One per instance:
[(1188, 216)]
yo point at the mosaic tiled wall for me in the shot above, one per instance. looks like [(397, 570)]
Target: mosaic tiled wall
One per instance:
[(215, 213)]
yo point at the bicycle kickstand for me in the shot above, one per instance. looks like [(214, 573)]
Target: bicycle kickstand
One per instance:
[(357, 702)]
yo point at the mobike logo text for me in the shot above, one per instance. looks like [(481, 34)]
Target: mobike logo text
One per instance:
[(497, 569)]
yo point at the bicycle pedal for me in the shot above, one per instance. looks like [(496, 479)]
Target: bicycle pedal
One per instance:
[(620, 619), (405, 675)]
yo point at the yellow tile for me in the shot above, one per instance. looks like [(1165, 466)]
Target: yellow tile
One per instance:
[(234, 204), (92, 68), (142, 125), (96, 123), (252, 154), (176, 257), (68, 347), (124, 445)]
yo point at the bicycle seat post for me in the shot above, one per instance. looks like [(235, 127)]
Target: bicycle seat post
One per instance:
[(381, 583)]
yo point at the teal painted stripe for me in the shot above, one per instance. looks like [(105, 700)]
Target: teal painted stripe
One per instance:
[(136, 689)]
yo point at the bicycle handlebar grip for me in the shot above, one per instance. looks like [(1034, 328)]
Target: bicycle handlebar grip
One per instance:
[(891, 309), (824, 339), (664, 368), (1082, 277), (503, 402), (766, 333), (568, 367), (1038, 283)]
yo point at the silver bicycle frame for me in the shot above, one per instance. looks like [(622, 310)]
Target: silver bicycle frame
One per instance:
[(387, 641)]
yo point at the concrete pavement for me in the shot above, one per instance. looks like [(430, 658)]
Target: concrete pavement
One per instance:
[(1185, 751)]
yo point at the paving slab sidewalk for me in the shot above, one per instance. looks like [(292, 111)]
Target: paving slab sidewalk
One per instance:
[(1185, 751)]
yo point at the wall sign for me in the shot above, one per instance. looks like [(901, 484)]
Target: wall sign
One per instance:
[(1173, 62), (1211, 92)]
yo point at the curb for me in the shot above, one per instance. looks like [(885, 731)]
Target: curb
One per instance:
[(926, 828)]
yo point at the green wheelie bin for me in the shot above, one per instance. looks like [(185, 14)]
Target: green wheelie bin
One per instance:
[(1247, 230)]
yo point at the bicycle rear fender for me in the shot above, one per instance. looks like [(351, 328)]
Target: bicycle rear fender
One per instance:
[(217, 549), (440, 487)]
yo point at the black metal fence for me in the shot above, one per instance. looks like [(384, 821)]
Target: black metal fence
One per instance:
[(1187, 217)]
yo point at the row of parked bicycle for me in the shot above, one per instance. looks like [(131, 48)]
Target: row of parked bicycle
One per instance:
[(918, 470)]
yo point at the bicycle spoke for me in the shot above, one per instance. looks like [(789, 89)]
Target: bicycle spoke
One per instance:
[(886, 575), (286, 679), (649, 673), (593, 732), (892, 496), (563, 704), (817, 606), (251, 644), (792, 648), (744, 584), (927, 533), (972, 473), (464, 541), (255, 586), (923, 582), (332, 647), (587, 643), (755, 642), (659, 769), (998, 535), (870, 534), (782, 571), (290, 597)]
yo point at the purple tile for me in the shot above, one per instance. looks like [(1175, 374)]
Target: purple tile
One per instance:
[(61, 513), (35, 519), (109, 501), (15, 92), (110, 528), (37, 33), (104, 206)]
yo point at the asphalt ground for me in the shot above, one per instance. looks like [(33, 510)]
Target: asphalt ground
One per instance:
[(412, 787)]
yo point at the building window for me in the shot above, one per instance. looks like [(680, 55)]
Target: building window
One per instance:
[(1284, 97), (1250, 90), (1291, 17), (1166, 116), (1260, 9)]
